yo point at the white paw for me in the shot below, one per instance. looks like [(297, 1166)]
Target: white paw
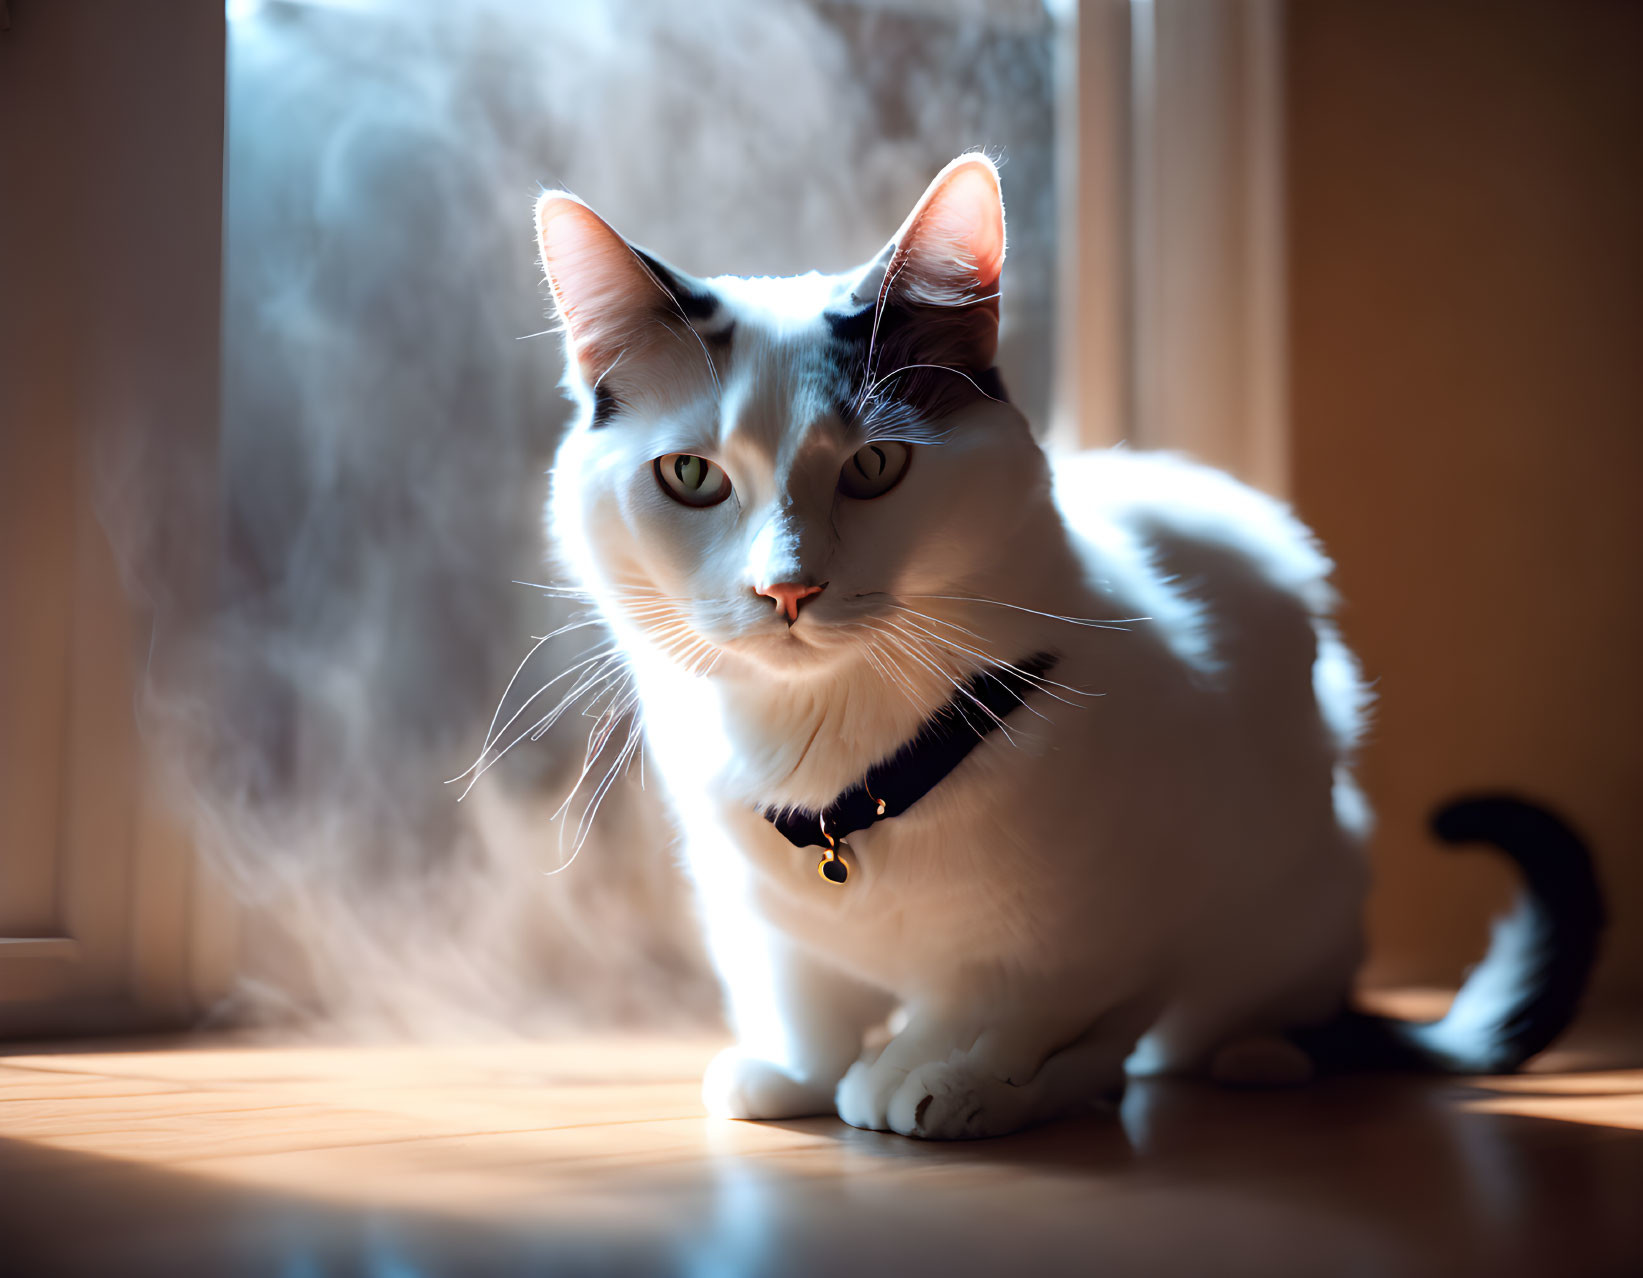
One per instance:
[(938, 1100), (949, 1100), (737, 1085), (863, 1096)]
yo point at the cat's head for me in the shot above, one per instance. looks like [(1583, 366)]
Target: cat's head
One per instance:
[(764, 470)]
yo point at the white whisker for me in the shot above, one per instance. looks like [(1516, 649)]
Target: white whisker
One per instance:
[(491, 740), (1116, 623)]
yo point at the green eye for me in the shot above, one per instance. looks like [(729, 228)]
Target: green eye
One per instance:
[(691, 480), (874, 469)]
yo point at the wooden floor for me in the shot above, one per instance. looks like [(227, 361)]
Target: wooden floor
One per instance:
[(202, 1158)]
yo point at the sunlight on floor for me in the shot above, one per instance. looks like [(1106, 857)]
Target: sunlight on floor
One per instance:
[(596, 1151)]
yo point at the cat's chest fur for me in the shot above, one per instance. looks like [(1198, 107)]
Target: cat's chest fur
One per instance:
[(1017, 857)]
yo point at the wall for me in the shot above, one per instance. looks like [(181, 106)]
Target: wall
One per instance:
[(110, 208), (1466, 327)]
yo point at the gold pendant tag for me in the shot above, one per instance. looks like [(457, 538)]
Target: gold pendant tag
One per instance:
[(832, 866)]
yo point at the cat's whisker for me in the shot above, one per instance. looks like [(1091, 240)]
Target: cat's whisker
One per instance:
[(490, 739), (929, 661), (675, 640), (597, 677), (591, 810), (538, 729), (588, 681), (890, 419), (931, 664), (534, 732), (610, 368), (990, 663), (503, 699), (618, 708), (571, 592), (934, 650), (901, 680), (944, 368), (565, 629), (1041, 682), (682, 644), (892, 646), (885, 285), (1116, 623), (605, 723), (590, 678), (588, 759), (703, 656), (600, 664), (869, 650), (712, 369), (914, 612)]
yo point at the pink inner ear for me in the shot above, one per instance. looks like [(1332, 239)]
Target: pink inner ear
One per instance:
[(952, 246), (603, 293)]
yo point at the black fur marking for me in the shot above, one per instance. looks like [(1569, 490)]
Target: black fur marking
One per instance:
[(605, 406), (923, 392), (719, 338), (694, 301), (854, 328)]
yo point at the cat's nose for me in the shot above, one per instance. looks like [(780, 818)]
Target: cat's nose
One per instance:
[(790, 596)]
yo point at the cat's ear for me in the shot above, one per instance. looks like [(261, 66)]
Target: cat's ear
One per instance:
[(950, 250), (940, 274), (608, 294)]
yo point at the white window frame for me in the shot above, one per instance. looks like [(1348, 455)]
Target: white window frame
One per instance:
[(115, 295)]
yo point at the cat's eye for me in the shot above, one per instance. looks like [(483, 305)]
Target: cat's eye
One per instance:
[(693, 480), (874, 469)]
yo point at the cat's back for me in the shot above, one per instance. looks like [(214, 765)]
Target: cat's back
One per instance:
[(1227, 580), (1161, 518)]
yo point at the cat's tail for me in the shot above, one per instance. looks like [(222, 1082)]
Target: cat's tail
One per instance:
[(1525, 991)]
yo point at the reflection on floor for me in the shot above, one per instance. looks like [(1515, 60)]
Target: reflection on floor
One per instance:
[(593, 1157)]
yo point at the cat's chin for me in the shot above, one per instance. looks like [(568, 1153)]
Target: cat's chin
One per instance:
[(791, 652)]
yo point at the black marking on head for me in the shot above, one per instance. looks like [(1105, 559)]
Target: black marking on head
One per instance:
[(719, 338), (605, 406), (693, 300), (871, 388), (855, 328)]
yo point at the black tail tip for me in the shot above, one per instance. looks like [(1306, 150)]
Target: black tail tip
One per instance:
[(1555, 861), (1527, 989)]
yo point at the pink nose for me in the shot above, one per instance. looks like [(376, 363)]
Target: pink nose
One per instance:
[(790, 597)]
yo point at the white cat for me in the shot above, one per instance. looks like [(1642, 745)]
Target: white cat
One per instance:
[(1082, 731)]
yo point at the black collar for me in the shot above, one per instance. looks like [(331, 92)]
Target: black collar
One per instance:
[(897, 783)]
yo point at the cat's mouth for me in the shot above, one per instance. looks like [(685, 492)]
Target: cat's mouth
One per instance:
[(807, 644)]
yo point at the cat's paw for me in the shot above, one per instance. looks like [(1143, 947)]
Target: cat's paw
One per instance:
[(738, 1085), (939, 1100), (863, 1095), (950, 1100)]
